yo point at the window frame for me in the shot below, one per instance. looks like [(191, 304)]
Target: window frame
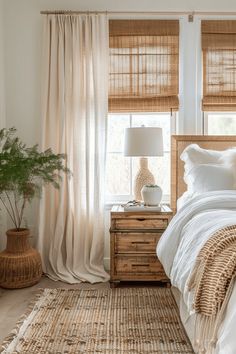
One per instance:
[(205, 122), (117, 199), (206, 119)]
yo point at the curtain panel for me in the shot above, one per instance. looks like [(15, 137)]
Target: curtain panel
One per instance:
[(144, 65), (74, 103), (219, 65)]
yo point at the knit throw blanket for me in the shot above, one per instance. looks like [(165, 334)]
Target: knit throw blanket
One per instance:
[(212, 280)]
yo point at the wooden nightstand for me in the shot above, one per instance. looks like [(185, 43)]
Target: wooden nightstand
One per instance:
[(133, 240)]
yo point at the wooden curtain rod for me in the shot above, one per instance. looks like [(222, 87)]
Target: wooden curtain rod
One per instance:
[(177, 13)]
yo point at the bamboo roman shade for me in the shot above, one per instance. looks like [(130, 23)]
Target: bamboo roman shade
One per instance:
[(219, 65), (144, 65)]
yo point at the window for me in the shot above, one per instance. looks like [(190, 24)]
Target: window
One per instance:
[(219, 69), (121, 170), (220, 123), (219, 73), (144, 66), (143, 77)]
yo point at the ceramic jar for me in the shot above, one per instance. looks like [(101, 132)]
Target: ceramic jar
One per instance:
[(151, 194)]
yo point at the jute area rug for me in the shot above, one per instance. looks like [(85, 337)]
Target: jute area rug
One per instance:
[(109, 321)]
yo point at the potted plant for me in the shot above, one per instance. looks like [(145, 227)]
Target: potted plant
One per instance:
[(23, 172)]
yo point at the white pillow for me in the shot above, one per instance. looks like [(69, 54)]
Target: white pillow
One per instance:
[(208, 177), (194, 154), (229, 159), (207, 170)]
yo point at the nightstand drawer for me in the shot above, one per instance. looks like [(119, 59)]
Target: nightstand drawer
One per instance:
[(140, 223), (138, 265), (136, 242)]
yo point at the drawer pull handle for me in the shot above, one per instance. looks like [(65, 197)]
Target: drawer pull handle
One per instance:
[(140, 243), (141, 219), (141, 265)]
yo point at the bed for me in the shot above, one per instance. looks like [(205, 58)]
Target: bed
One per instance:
[(193, 224)]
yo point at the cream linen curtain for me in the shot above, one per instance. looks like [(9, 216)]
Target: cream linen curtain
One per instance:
[(75, 80)]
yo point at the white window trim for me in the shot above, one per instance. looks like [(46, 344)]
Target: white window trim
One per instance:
[(205, 123), (122, 199)]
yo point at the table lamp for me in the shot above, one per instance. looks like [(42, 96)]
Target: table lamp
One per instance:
[(143, 142)]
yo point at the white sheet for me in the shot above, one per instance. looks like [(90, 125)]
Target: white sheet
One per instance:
[(179, 246)]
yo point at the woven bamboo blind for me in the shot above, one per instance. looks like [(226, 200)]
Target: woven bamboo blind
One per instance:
[(219, 65), (144, 65)]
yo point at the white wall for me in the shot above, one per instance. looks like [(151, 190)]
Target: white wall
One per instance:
[(22, 34), (2, 76), (2, 113), (2, 67)]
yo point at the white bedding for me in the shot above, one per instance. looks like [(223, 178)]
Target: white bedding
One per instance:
[(179, 246)]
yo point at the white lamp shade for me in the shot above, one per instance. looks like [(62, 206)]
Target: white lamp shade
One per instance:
[(143, 141)]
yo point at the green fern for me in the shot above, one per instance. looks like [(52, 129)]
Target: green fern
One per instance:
[(23, 172)]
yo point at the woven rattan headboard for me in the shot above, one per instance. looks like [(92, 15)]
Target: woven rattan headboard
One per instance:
[(178, 144)]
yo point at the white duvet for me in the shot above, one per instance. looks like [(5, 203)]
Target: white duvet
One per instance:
[(179, 246)]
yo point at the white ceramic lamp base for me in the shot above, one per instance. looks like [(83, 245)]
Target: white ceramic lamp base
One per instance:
[(144, 176)]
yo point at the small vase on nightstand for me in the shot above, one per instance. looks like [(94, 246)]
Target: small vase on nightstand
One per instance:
[(151, 194)]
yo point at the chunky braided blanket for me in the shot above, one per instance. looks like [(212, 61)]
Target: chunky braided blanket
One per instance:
[(212, 280)]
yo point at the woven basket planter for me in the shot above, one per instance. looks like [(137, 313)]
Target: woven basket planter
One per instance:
[(20, 264)]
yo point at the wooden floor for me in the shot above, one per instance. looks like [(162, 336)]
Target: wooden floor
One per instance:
[(13, 303)]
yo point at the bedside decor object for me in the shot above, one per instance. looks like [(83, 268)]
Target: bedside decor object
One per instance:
[(133, 239), (133, 205), (143, 142), (151, 194), (23, 172)]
